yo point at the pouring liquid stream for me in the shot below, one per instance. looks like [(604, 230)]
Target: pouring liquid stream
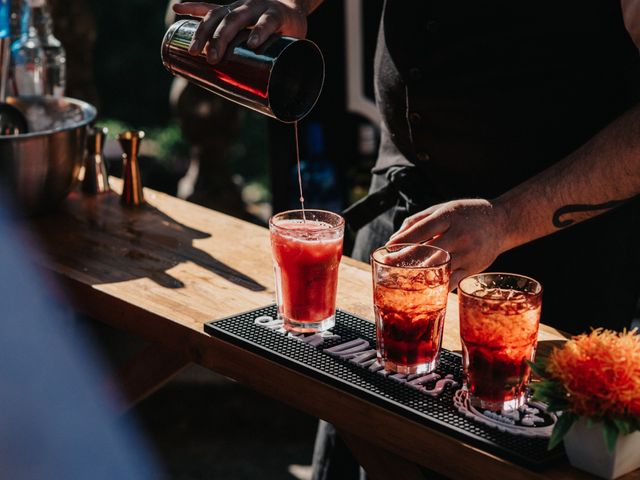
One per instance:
[(295, 129)]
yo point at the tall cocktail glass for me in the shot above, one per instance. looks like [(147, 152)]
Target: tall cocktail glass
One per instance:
[(499, 319), (306, 248), (410, 289)]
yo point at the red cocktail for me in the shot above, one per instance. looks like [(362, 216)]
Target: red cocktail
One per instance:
[(499, 319), (410, 289), (306, 254)]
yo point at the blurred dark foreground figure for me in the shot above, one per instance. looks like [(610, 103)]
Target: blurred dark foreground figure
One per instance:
[(55, 422)]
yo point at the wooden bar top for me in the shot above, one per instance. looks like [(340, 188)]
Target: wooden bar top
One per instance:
[(161, 271), (186, 263)]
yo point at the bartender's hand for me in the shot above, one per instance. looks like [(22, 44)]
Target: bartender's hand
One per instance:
[(221, 23), (473, 231)]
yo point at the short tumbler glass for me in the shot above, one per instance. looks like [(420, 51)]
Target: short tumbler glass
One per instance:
[(306, 248), (410, 291), (499, 319)]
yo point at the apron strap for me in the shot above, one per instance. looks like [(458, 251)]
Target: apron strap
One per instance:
[(401, 185)]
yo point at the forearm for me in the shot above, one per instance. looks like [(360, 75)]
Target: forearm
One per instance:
[(599, 176)]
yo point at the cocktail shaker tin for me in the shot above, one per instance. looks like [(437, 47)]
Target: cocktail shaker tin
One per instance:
[(282, 78)]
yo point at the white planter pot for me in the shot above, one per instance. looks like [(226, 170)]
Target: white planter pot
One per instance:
[(587, 451)]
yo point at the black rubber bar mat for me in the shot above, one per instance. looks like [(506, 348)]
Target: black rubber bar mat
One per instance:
[(438, 413)]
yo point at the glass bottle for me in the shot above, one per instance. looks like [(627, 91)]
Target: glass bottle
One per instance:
[(55, 56), (39, 59), (27, 57)]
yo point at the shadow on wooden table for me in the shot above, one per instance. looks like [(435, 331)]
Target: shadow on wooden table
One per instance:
[(146, 241)]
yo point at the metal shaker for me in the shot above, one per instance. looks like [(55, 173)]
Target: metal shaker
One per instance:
[(282, 78)]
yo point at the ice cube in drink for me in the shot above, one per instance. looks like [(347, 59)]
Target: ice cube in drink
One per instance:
[(499, 331), (410, 304)]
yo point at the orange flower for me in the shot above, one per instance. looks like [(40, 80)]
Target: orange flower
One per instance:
[(600, 372)]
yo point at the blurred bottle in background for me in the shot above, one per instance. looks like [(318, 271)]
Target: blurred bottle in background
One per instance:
[(321, 184), (55, 72), (27, 57), (4, 14), (367, 153), (38, 57)]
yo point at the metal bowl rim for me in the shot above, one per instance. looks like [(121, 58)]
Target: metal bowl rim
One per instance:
[(89, 111)]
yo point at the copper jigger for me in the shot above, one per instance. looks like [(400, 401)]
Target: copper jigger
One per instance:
[(132, 189), (96, 179)]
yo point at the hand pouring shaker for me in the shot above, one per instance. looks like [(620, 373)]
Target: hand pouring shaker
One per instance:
[(282, 78)]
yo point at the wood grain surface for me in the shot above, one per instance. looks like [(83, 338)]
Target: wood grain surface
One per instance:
[(160, 272), (184, 262)]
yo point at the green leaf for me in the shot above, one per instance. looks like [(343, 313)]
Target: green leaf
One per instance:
[(563, 425), (538, 368), (623, 426), (544, 390), (552, 394), (610, 435), (542, 386), (591, 422), (557, 406)]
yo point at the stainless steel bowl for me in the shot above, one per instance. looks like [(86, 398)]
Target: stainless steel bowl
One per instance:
[(41, 167)]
